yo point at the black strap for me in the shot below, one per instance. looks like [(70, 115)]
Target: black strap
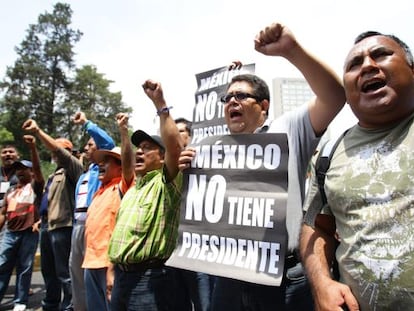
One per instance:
[(323, 162)]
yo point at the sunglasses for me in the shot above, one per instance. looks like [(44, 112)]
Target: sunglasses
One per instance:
[(238, 97)]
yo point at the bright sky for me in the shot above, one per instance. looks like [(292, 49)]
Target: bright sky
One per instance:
[(172, 40)]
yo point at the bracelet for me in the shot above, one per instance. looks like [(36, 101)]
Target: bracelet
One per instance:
[(164, 110)]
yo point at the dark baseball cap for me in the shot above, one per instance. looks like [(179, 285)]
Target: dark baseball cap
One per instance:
[(139, 136), (24, 163)]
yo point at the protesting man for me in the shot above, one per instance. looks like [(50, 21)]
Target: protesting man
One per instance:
[(9, 155), (100, 222), (369, 188), (146, 226), (20, 209), (88, 183), (246, 105), (56, 211)]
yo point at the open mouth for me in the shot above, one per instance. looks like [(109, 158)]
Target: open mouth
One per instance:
[(8, 160), (235, 114), (372, 85), (139, 161)]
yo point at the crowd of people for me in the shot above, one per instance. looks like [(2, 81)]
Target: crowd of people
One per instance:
[(106, 232)]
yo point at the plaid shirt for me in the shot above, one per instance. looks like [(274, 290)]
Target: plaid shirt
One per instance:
[(147, 222)]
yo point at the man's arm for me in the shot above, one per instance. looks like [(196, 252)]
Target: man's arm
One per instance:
[(127, 154), (278, 40), (3, 210), (317, 248), (101, 137), (65, 159), (37, 172), (31, 126), (169, 132)]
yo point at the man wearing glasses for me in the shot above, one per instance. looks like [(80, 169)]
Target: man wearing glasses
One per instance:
[(246, 106)]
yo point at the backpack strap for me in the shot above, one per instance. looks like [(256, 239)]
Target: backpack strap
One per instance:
[(323, 162)]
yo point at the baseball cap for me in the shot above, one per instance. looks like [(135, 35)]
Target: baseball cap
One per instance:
[(64, 143), (139, 136), (99, 155), (25, 163)]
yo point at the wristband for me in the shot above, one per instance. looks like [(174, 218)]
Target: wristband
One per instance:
[(85, 125), (164, 110)]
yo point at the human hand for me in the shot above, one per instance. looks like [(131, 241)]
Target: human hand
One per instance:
[(122, 120), (110, 277), (154, 92), (36, 226), (236, 64), (185, 158), (79, 118), (334, 296), (29, 139), (275, 40), (30, 126)]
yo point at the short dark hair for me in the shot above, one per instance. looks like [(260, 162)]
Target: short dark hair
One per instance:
[(402, 44), (188, 124), (8, 146), (260, 87)]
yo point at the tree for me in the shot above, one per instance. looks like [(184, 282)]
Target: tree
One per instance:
[(35, 86), (89, 92), (44, 83)]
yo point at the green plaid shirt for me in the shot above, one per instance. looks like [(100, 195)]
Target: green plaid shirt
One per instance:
[(147, 222)]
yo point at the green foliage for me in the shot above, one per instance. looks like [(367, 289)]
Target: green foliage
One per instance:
[(6, 137), (89, 92), (44, 84), (47, 168)]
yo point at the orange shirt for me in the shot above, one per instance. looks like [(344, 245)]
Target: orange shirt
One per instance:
[(100, 223)]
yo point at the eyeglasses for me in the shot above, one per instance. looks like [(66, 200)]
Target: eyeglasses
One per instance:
[(146, 148), (237, 96)]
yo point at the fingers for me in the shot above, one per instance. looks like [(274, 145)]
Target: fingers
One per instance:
[(76, 116), (154, 91), (79, 118), (109, 292), (150, 85), (27, 124), (351, 303), (29, 139), (30, 126), (122, 116), (236, 64), (186, 156), (270, 34), (122, 119), (36, 226)]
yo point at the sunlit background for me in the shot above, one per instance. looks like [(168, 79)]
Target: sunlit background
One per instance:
[(170, 41)]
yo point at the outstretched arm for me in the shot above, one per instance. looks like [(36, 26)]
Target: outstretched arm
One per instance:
[(169, 132), (100, 136), (37, 173), (127, 154), (317, 247), (278, 40), (31, 127)]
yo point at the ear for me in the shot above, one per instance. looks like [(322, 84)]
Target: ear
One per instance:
[(162, 156), (265, 105)]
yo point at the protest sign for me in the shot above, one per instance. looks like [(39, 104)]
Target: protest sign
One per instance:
[(233, 208), (208, 113)]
